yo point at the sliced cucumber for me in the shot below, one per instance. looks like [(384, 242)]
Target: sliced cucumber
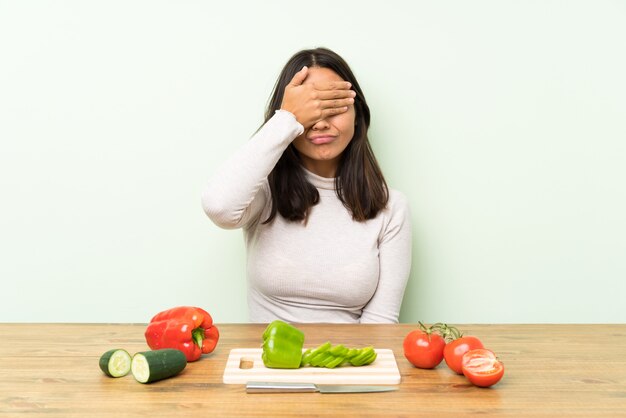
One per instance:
[(150, 366), (115, 363)]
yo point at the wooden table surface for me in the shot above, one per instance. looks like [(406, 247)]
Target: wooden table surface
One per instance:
[(51, 370)]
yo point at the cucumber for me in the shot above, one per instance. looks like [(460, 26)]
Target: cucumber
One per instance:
[(115, 363), (150, 366)]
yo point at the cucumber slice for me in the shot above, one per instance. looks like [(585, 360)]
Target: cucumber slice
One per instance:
[(115, 363), (150, 366)]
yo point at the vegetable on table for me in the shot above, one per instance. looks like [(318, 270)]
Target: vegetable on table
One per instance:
[(427, 346), (457, 345), (283, 344), (424, 347), (151, 366), (330, 356), (186, 328), (115, 363), (482, 367)]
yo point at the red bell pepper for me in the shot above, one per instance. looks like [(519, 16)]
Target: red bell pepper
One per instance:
[(186, 328)]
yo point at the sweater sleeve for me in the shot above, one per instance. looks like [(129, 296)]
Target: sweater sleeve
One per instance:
[(235, 196), (395, 265)]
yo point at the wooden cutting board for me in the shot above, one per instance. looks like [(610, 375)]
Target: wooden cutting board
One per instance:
[(383, 371)]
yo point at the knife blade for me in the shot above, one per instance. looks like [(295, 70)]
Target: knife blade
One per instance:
[(296, 387)]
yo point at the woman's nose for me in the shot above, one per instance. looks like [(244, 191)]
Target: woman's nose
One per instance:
[(320, 125)]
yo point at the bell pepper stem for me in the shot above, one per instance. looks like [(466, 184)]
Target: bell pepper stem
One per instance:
[(198, 336)]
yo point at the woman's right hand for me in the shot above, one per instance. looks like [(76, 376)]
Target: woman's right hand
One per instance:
[(313, 102)]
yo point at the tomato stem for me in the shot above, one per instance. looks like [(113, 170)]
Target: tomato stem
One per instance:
[(448, 332)]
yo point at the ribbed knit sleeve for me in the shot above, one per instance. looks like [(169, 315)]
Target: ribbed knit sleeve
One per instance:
[(395, 263), (235, 196)]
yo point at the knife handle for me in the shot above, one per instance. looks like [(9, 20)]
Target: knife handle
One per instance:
[(276, 387)]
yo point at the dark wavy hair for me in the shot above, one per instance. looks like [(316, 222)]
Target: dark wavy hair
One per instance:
[(359, 182)]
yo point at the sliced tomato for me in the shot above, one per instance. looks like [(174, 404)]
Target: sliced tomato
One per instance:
[(482, 368), (455, 349)]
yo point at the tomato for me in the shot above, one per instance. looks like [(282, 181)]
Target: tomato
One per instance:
[(482, 368), (454, 350), (423, 348)]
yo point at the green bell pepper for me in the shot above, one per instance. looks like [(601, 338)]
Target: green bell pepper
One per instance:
[(282, 346)]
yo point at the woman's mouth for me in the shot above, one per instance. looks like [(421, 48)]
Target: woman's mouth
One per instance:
[(321, 139)]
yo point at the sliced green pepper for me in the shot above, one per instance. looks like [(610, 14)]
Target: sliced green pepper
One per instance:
[(282, 349), (282, 346)]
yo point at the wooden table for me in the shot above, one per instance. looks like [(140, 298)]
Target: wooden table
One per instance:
[(51, 370)]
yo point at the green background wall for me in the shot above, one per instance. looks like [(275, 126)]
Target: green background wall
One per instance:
[(502, 121)]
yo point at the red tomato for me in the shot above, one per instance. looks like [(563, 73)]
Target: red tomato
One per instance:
[(453, 353), (482, 368), (423, 349)]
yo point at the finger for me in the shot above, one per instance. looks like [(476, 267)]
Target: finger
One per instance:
[(337, 103), (332, 85), (333, 111), (334, 94), (299, 77)]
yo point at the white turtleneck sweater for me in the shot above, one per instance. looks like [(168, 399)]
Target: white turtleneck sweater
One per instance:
[(331, 269)]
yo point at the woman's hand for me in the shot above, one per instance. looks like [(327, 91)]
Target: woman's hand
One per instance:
[(313, 102)]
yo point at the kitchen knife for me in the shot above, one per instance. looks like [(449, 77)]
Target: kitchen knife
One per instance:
[(277, 387)]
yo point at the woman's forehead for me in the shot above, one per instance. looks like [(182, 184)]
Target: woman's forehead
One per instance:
[(317, 74)]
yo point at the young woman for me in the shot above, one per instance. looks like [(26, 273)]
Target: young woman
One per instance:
[(326, 240)]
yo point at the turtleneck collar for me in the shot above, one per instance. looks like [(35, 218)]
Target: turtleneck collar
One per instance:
[(319, 181)]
